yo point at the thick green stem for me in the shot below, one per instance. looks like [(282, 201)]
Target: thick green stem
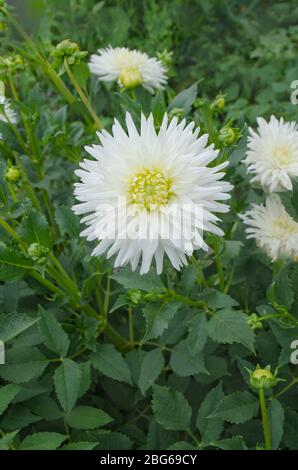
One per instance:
[(265, 419)]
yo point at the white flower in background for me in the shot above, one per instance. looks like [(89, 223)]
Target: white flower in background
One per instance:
[(154, 175), (274, 230), (6, 112), (130, 68), (272, 154)]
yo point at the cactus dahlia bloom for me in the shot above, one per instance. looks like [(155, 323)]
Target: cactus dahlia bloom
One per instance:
[(149, 193), (272, 154), (6, 113), (130, 68), (274, 230)]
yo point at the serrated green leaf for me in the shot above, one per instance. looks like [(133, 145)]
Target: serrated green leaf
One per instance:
[(111, 363), (234, 443), (276, 418), (210, 429), (53, 334), (151, 367), (238, 407), (133, 280), (67, 221), (183, 363), (23, 364), (197, 333), (13, 324), (7, 394), (42, 441), (171, 409), (157, 318), (81, 445), (67, 380), (13, 265), (7, 440), (228, 326), (87, 417), (35, 229)]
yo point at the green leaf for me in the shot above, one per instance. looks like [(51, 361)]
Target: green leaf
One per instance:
[(291, 429), (234, 443), (151, 367), (23, 364), (228, 326), (133, 280), (7, 440), (13, 265), (67, 380), (35, 229), (81, 445), (197, 333), (181, 445), (171, 409), (210, 429), (276, 417), (183, 363), (111, 363), (7, 394), (157, 318), (42, 441), (13, 324), (67, 221), (114, 441), (236, 408), (53, 334), (87, 417), (218, 300), (185, 99)]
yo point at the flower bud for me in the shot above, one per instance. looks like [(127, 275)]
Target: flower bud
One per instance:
[(176, 112), (166, 57), (134, 296), (263, 378), (219, 103), (12, 174), (130, 77), (69, 50), (229, 135), (38, 253), (254, 322)]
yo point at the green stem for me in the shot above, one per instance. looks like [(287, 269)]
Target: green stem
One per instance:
[(219, 268), (265, 419), (199, 270), (116, 339), (285, 389), (130, 326), (58, 82), (82, 95)]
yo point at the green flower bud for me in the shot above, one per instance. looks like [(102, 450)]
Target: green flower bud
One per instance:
[(130, 77), (219, 103), (12, 174), (152, 296), (263, 378), (9, 65), (69, 50), (228, 135), (38, 253), (134, 296), (166, 57), (253, 322)]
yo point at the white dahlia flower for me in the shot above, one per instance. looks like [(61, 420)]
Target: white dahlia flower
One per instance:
[(130, 68), (274, 230), (272, 154), (150, 193), (6, 112)]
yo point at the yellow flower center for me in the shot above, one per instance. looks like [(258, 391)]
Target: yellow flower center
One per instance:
[(130, 77), (284, 227), (150, 188), (282, 156)]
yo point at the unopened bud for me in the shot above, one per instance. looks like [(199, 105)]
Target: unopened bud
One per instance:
[(134, 296), (254, 322), (263, 378), (12, 174), (38, 253), (219, 103)]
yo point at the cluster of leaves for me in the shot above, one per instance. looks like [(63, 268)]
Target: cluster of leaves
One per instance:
[(105, 359)]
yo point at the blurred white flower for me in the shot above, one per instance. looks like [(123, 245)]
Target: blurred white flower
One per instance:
[(148, 194), (272, 154), (6, 112), (274, 230), (130, 68)]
